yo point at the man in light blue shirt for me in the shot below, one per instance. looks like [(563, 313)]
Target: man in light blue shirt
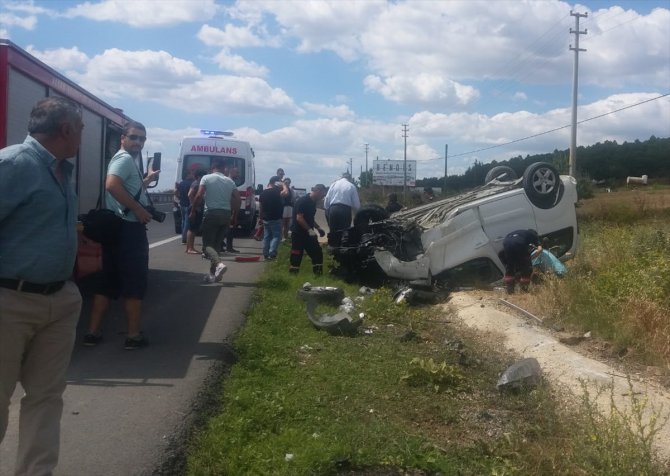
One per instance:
[(39, 306), (125, 265), (221, 196)]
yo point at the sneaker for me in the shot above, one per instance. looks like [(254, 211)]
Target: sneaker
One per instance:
[(91, 340), (232, 250), (208, 279), (219, 272), (137, 342)]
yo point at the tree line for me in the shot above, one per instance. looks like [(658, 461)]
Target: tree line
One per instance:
[(608, 161)]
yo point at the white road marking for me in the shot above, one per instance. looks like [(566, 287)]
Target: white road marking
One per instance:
[(162, 242)]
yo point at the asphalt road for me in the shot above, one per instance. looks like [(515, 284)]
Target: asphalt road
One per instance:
[(122, 407)]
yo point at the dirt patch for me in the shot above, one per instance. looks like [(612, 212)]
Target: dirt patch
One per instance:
[(564, 365)]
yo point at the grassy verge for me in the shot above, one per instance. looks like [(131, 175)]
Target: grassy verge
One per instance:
[(619, 283), (414, 394)]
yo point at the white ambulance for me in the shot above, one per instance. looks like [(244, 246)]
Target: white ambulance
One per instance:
[(197, 152)]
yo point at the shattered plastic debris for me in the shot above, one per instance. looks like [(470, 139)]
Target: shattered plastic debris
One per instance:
[(340, 323), (524, 373), (347, 305), (403, 295)]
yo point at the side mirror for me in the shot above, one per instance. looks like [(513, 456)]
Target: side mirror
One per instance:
[(154, 163)]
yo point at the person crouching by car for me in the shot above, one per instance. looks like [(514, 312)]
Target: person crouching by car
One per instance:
[(517, 248), (304, 229)]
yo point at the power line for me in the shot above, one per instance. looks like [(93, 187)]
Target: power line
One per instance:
[(552, 130)]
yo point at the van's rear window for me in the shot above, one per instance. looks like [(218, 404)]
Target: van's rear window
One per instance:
[(195, 162)]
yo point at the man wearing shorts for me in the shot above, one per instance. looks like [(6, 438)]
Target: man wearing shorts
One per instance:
[(125, 264)]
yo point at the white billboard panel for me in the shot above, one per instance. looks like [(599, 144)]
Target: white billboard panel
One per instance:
[(391, 172)]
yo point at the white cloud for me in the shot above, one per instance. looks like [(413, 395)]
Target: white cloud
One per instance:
[(318, 26), (28, 7), (25, 22), (239, 65), (520, 96), (176, 83), (341, 112), (67, 60), (141, 74), (231, 37), (453, 43), (625, 47), (145, 13), (229, 95), (423, 89)]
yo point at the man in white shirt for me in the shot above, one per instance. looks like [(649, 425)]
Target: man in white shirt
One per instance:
[(341, 203)]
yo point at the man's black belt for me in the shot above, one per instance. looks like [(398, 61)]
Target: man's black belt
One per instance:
[(28, 287)]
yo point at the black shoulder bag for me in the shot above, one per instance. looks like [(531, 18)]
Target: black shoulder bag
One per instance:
[(103, 225)]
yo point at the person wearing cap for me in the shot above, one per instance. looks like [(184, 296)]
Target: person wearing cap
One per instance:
[(341, 203), (304, 229), (271, 209)]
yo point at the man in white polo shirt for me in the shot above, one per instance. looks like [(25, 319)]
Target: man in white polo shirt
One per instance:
[(341, 203)]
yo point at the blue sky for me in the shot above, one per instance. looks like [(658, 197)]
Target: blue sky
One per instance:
[(308, 83)]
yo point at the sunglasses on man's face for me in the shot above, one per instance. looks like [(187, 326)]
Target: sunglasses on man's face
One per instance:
[(136, 137)]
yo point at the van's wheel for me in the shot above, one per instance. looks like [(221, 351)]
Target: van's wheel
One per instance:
[(369, 213), (502, 173), (543, 185)]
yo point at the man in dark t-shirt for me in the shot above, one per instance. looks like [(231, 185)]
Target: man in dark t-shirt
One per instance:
[(304, 229), (272, 207), (517, 248), (182, 189)]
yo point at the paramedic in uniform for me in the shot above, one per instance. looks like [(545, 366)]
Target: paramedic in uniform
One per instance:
[(304, 229)]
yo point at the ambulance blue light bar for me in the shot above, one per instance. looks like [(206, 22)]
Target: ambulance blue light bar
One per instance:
[(205, 132)]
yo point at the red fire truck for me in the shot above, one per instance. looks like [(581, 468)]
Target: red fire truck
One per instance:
[(23, 81)]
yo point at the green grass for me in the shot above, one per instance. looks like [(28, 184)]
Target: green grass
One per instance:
[(618, 285), (413, 393)]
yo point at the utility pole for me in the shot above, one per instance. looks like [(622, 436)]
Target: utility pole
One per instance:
[(367, 147), (351, 167), (575, 75), (444, 188), (405, 127)]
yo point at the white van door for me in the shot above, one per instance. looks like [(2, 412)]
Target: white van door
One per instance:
[(505, 215)]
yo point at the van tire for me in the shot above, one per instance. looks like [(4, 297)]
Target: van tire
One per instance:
[(369, 213), (508, 174), (543, 185)]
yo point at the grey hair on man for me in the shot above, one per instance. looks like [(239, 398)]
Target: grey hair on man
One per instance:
[(49, 114)]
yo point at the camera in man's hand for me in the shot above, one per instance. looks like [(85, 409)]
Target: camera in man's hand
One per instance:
[(156, 215)]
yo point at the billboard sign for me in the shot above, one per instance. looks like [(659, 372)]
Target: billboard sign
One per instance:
[(391, 172)]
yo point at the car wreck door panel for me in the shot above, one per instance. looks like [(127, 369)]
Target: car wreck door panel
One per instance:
[(459, 239), (501, 217)]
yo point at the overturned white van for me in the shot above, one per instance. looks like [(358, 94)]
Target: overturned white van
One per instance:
[(197, 152), (458, 240)]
